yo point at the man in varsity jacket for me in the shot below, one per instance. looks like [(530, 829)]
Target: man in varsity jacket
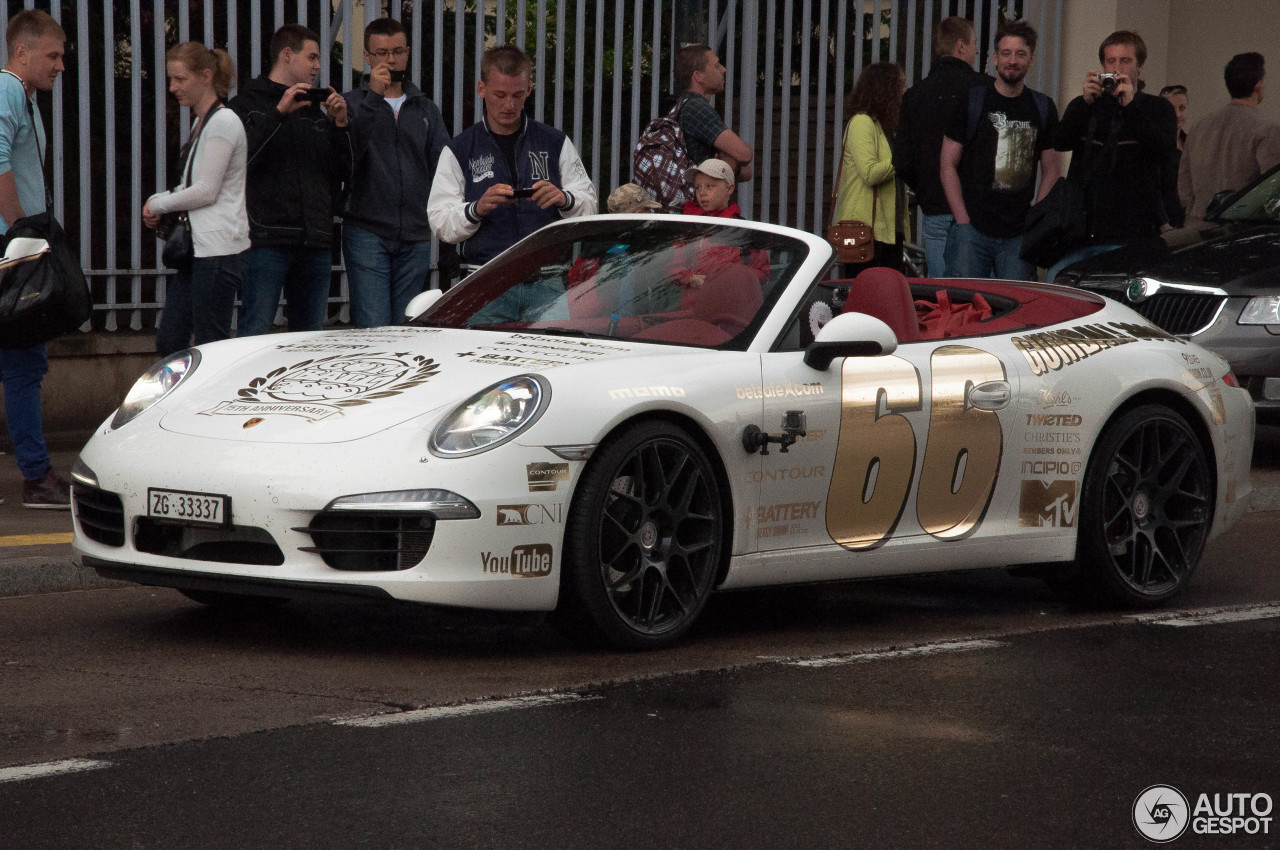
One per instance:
[(508, 175)]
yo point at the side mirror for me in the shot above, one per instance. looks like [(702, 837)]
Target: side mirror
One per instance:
[(421, 303), (850, 335), (1218, 203)]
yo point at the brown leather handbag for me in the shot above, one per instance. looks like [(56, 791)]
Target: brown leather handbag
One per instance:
[(854, 241)]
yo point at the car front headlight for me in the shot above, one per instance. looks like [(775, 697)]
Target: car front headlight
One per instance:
[(491, 417), (160, 380), (1263, 310)]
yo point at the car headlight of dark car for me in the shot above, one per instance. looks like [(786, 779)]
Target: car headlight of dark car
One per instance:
[(491, 417), (1263, 310), (158, 381)]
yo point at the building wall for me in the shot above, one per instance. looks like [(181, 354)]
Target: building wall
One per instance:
[(1203, 35)]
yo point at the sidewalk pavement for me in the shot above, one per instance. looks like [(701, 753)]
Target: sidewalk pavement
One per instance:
[(35, 545)]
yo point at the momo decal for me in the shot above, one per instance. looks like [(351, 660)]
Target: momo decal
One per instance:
[(1048, 504), (1050, 351), (529, 514), (318, 389), (784, 390), (647, 392), (543, 477), (529, 561)]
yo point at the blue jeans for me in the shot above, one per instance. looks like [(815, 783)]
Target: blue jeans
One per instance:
[(303, 275), (384, 275), (22, 370), (1076, 256), (200, 301), (973, 254), (933, 235)]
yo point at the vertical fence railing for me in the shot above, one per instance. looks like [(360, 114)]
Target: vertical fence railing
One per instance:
[(603, 69)]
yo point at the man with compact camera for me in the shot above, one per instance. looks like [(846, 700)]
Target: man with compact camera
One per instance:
[(398, 134), (299, 153), (1123, 149)]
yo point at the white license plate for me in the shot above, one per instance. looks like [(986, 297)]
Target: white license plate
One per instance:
[(198, 508)]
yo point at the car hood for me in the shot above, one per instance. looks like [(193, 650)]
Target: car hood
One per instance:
[(333, 387), (1237, 257)]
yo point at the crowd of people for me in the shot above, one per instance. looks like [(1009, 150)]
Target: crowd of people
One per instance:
[(265, 174)]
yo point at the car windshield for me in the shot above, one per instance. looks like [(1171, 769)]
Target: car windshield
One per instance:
[(1259, 203), (668, 279)]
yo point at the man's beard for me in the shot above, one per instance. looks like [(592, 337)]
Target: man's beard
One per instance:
[(1012, 77)]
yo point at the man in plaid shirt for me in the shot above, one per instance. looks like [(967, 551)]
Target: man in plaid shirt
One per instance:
[(700, 74)]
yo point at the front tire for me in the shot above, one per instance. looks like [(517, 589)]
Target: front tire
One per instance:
[(643, 541), (1147, 506)]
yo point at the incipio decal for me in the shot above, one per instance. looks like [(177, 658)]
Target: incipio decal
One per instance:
[(318, 389)]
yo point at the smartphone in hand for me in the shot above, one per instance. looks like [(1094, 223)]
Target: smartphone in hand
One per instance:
[(522, 193), (397, 76), (316, 96)]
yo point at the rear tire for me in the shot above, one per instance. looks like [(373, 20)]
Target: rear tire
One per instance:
[(643, 540), (1146, 510)]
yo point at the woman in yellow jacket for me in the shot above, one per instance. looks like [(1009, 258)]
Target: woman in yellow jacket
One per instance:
[(868, 191)]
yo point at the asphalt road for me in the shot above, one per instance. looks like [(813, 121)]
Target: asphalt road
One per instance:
[(958, 710)]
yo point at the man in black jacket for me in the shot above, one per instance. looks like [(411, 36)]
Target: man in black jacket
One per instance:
[(1123, 144), (298, 157), (399, 134), (925, 109)]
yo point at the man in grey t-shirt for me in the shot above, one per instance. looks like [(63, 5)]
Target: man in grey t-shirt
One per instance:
[(699, 75)]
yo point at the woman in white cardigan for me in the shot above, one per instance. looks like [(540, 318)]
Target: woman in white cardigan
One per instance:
[(201, 301)]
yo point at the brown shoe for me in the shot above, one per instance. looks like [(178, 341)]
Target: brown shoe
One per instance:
[(49, 493)]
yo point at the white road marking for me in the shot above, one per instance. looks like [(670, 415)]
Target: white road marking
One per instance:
[(52, 768), (880, 654), (464, 710), (1211, 616)]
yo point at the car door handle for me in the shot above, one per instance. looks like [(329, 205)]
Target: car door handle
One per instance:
[(993, 395)]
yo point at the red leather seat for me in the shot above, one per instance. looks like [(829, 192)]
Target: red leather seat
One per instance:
[(885, 294), (729, 299)]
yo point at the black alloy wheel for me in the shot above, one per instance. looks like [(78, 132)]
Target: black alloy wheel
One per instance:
[(644, 540), (1147, 509)]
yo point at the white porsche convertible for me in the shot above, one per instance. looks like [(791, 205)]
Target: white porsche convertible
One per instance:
[(622, 414)]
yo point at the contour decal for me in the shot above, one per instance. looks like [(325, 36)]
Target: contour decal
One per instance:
[(543, 477), (1051, 504), (1052, 350), (318, 389)]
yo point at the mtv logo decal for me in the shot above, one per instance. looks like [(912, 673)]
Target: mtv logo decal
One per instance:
[(1052, 504)]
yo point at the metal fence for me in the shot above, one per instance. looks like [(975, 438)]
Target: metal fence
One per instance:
[(602, 70)]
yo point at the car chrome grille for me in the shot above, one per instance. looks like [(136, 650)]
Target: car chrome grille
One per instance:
[(371, 541), (100, 514), (1181, 313), (235, 544)]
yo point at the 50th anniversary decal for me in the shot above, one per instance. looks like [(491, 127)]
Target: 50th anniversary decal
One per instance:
[(319, 388)]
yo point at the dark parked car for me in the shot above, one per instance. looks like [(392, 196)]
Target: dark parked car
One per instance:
[(1218, 285)]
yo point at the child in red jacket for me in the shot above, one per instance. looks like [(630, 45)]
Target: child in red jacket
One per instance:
[(713, 185)]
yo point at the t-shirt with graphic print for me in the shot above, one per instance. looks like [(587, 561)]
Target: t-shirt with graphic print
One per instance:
[(998, 166)]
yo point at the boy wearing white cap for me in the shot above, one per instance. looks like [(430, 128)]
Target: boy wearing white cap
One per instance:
[(713, 186)]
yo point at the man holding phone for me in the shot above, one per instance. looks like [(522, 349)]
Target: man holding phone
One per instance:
[(508, 175), (299, 154), (398, 134)]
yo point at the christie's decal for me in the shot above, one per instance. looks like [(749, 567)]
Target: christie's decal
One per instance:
[(1050, 351), (1052, 504), (318, 389), (543, 477), (530, 561)]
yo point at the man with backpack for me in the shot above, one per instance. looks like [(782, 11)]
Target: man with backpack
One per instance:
[(994, 140), (692, 132)]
